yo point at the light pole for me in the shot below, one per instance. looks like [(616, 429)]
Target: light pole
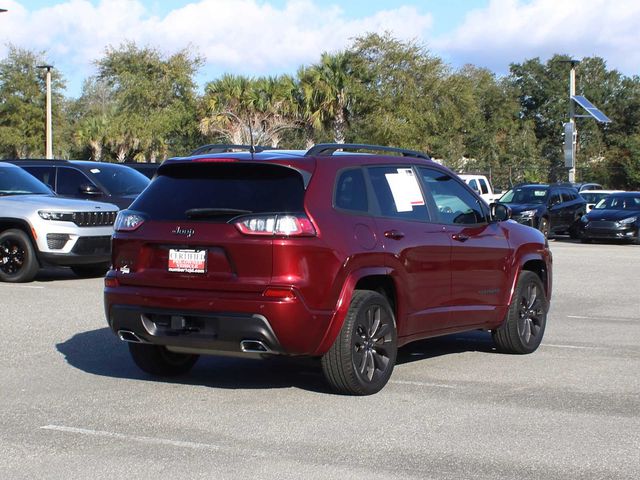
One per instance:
[(49, 144)]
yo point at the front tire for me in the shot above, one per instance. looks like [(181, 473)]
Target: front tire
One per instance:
[(543, 226), (523, 328), (361, 360), (157, 360), (18, 262)]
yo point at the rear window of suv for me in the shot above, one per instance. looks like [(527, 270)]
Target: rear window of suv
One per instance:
[(246, 187)]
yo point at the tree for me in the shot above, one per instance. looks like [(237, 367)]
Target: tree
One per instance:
[(247, 111), (22, 103), (324, 89), (153, 102), (397, 94)]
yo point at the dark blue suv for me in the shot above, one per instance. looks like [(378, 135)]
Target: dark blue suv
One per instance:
[(552, 209)]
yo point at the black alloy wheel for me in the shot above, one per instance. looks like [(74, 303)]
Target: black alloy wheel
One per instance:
[(18, 262), (524, 326), (361, 360)]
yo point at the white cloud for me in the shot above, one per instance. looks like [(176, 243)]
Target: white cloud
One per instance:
[(241, 36), (511, 30)]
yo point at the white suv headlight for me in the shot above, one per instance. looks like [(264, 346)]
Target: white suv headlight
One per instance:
[(59, 216)]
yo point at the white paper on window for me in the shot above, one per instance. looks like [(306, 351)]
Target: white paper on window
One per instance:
[(405, 189)]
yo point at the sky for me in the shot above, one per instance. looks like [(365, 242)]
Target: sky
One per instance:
[(271, 37)]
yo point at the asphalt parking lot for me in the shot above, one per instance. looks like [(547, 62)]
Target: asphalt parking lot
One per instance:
[(74, 406)]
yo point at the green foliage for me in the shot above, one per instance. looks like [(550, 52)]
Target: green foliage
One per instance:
[(144, 105), (141, 105), (22, 103)]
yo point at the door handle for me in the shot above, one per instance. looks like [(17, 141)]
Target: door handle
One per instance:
[(394, 234), (460, 237)]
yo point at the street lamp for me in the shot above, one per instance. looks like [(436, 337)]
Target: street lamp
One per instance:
[(49, 144)]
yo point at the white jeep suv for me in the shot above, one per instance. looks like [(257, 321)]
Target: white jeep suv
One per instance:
[(38, 228)]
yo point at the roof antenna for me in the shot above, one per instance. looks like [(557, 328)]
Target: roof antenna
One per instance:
[(253, 148)]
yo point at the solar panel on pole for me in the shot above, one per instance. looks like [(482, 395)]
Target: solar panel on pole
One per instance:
[(591, 109)]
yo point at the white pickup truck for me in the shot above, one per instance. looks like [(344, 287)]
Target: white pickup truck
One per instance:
[(481, 185)]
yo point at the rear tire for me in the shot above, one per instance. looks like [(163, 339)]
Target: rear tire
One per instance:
[(523, 328), (361, 360), (157, 360), (18, 262)]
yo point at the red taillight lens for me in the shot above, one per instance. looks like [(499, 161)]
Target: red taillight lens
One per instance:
[(111, 282), (276, 225), (128, 221)]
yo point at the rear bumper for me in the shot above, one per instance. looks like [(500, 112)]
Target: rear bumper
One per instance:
[(221, 332), (215, 321)]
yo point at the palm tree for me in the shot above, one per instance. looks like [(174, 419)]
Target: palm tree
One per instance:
[(324, 90), (245, 110)]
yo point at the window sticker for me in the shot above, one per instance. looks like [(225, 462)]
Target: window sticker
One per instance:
[(539, 193), (405, 189)]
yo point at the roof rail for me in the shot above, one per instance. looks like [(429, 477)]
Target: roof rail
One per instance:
[(223, 147), (331, 148)]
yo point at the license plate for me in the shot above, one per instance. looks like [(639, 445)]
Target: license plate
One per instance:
[(187, 261)]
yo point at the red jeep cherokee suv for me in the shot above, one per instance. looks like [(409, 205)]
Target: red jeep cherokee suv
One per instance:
[(331, 253)]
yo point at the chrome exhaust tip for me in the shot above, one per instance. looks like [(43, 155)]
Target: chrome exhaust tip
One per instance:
[(129, 336), (253, 346)]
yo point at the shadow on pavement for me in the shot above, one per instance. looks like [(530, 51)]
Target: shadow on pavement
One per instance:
[(99, 352)]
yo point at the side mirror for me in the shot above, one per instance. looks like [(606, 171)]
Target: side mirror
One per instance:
[(500, 212), (90, 189)]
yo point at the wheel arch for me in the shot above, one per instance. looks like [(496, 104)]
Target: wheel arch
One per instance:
[(537, 264), (19, 224), (374, 279)]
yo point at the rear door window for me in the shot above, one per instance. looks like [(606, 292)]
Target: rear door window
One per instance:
[(45, 174), (234, 188), (398, 193)]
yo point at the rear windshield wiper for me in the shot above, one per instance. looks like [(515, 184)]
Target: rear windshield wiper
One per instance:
[(214, 212)]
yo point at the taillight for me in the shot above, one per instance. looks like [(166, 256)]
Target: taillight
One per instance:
[(285, 225), (128, 221)]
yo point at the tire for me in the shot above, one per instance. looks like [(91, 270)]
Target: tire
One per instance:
[(157, 360), (95, 270), (585, 240), (574, 229), (524, 325), (543, 226), (18, 262), (361, 360)]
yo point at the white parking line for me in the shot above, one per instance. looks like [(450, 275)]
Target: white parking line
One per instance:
[(422, 384), (134, 438), (579, 316), (20, 286), (577, 347)]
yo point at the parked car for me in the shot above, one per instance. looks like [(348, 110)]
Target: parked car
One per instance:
[(581, 186), (552, 209), (101, 181), (148, 169), (592, 197), (38, 228), (339, 257), (481, 185), (616, 217)]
